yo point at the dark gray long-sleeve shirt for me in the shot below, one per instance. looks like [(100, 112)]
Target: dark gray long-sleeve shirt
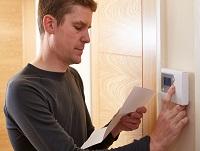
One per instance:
[(46, 111)]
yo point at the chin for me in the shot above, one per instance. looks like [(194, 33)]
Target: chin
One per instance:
[(77, 61)]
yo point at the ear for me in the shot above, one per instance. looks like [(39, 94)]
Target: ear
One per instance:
[(49, 24)]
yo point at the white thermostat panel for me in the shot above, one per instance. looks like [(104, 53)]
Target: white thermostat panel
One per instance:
[(180, 80)]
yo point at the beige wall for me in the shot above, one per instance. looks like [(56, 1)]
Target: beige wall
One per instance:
[(179, 52), (16, 48), (180, 34), (197, 73)]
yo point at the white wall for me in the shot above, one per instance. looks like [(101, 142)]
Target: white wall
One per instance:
[(197, 75), (178, 33), (180, 55), (84, 69)]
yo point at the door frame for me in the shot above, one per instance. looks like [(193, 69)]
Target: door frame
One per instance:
[(197, 74)]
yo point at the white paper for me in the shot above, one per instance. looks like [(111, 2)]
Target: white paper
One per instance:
[(137, 98), (96, 137)]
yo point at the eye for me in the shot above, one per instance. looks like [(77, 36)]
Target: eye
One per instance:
[(78, 28)]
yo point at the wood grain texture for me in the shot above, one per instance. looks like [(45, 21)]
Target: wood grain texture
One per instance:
[(118, 75), (17, 47), (29, 30), (10, 55), (120, 27), (108, 20), (149, 61), (116, 42), (122, 58)]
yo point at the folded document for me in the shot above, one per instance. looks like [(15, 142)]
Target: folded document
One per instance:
[(137, 98)]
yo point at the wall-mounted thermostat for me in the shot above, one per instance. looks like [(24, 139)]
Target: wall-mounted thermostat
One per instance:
[(180, 79)]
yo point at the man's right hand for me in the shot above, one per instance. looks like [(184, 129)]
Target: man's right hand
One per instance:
[(171, 120)]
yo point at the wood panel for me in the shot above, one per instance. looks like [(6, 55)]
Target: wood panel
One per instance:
[(123, 43), (120, 26), (10, 55), (17, 47), (149, 60), (29, 30), (116, 42), (118, 74)]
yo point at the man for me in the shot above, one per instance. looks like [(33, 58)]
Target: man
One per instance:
[(45, 108)]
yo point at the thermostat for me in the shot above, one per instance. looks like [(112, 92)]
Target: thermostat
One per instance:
[(180, 80)]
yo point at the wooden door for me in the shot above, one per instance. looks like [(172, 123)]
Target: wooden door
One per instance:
[(118, 50), (17, 48), (10, 55)]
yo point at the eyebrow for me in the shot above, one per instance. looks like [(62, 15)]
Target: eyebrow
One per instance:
[(81, 23)]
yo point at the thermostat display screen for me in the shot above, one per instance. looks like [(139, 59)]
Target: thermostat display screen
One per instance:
[(167, 81)]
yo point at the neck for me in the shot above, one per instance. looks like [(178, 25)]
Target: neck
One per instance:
[(43, 63), (48, 61)]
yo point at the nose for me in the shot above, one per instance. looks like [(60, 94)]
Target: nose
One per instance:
[(86, 37)]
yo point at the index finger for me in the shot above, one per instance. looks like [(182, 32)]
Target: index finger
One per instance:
[(170, 93), (167, 103)]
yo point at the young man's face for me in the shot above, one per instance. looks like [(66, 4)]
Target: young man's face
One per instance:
[(70, 36)]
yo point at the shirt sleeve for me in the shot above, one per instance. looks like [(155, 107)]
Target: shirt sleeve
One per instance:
[(30, 110), (137, 145)]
